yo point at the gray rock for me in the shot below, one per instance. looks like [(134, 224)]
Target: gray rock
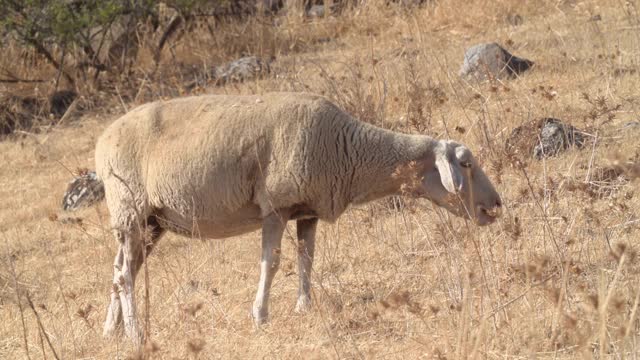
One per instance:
[(490, 60), (246, 68), (408, 3), (83, 190), (631, 125), (316, 11), (514, 19), (543, 138), (555, 137)]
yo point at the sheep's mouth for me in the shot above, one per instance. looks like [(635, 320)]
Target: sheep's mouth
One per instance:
[(487, 216)]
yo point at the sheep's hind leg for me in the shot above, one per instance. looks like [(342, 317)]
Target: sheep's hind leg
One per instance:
[(272, 229), (114, 312), (306, 230), (132, 247)]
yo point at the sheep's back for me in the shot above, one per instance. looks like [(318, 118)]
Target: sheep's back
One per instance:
[(210, 156)]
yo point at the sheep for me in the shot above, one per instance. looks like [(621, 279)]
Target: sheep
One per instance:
[(221, 165)]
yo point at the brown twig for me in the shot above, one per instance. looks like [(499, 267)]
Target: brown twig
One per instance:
[(14, 81), (41, 327), (18, 301)]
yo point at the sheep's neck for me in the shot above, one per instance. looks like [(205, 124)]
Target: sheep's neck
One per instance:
[(379, 159)]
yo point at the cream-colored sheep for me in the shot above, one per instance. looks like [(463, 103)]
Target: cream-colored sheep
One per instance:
[(219, 166)]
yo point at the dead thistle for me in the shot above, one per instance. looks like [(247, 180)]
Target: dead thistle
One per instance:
[(191, 309), (196, 345), (397, 301)]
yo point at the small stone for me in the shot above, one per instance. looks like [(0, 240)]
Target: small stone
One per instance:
[(82, 191), (631, 125), (246, 68), (514, 19), (543, 138), (555, 137), (316, 11)]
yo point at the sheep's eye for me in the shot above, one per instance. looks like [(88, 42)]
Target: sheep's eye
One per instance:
[(466, 164)]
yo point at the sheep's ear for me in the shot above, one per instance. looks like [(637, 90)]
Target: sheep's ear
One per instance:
[(450, 175)]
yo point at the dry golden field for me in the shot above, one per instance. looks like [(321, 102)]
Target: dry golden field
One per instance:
[(556, 277)]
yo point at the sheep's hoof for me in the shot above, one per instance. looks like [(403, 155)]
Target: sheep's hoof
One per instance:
[(113, 323), (259, 316), (303, 305), (111, 330), (137, 338)]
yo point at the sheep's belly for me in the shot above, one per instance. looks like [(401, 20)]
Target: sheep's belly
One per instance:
[(214, 226), (218, 230)]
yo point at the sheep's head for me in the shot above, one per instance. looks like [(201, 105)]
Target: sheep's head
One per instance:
[(454, 180)]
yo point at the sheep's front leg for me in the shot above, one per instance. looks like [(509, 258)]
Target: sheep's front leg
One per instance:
[(114, 312), (306, 245), (272, 228)]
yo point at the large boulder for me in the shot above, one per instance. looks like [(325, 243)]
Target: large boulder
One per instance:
[(490, 60)]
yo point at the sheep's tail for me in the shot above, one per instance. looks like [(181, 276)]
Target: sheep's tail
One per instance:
[(83, 191)]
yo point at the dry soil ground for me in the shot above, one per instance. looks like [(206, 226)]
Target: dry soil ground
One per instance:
[(556, 277)]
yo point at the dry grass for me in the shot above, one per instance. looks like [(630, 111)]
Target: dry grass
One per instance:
[(557, 276)]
